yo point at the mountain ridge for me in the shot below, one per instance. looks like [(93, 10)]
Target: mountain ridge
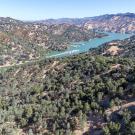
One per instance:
[(84, 18), (121, 22)]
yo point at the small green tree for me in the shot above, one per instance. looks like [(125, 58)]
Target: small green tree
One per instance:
[(114, 127), (106, 130), (132, 128)]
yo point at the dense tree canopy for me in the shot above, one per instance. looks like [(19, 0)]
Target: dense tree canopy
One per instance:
[(57, 96)]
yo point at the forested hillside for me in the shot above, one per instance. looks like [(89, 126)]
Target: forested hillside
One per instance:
[(63, 96), (22, 41)]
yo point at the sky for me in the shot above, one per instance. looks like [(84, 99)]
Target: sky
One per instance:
[(45, 9)]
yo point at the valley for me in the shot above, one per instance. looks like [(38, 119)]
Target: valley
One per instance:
[(76, 48), (68, 76), (20, 41)]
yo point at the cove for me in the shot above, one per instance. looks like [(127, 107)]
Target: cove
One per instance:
[(84, 46)]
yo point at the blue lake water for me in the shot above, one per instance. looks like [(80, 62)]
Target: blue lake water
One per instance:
[(84, 46)]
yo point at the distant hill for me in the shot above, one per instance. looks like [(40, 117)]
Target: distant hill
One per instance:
[(73, 21), (114, 22), (124, 23)]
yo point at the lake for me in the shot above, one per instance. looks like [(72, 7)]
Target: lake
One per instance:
[(84, 46)]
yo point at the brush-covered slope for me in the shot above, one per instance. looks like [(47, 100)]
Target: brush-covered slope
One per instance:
[(21, 41), (125, 48), (64, 96)]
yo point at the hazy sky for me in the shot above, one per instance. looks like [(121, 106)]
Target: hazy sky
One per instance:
[(42, 9)]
